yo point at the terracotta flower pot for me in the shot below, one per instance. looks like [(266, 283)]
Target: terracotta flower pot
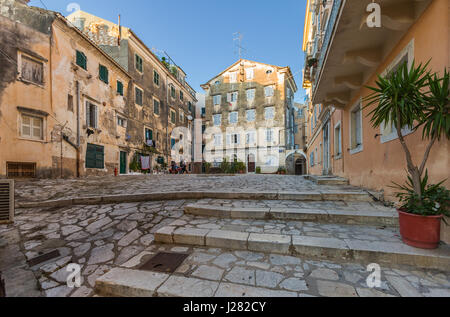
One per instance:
[(422, 232)]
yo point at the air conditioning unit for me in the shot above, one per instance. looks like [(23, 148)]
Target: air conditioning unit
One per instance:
[(6, 201)]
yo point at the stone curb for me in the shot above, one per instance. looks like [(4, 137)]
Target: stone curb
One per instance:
[(102, 200), (373, 218), (323, 248)]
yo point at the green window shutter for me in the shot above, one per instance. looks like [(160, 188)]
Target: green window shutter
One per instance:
[(90, 156), (139, 97), (139, 63), (81, 60), (95, 156), (104, 74), (119, 88), (99, 157)]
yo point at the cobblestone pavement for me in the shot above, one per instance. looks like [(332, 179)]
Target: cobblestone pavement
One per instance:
[(40, 190), (104, 237)]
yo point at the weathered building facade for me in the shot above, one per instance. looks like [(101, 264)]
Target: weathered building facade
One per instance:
[(74, 104), (59, 99), (161, 103), (248, 116)]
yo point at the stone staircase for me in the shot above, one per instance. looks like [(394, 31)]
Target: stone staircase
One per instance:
[(351, 230)]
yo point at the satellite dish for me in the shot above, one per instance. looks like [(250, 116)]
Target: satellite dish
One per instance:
[(189, 118)]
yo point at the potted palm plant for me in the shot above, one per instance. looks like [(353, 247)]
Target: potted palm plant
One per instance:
[(416, 98)]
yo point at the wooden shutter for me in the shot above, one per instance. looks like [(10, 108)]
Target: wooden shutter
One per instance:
[(88, 121), (99, 157), (90, 156)]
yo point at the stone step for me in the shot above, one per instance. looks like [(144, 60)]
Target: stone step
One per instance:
[(369, 217), (328, 180), (392, 252), (324, 195), (121, 282)]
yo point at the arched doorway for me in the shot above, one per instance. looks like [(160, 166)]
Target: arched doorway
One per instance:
[(251, 163), (300, 166)]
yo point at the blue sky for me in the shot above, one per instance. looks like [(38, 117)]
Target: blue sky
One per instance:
[(198, 34)]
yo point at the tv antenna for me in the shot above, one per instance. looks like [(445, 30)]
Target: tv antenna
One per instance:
[(237, 37)]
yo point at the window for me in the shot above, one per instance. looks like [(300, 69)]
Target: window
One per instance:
[(91, 115), (138, 64), (217, 139), (190, 106), (356, 129), (234, 117), (251, 115), (251, 94), (203, 111), (70, 103), (311, 159), (217, 119), (181, 117), (217, 83), (32, 70), (268, 91), (81, 60), (389, 129), (121, 122), (32, 127), (269, 72), (269, 135), (250, 137), (104, 74), (233, 139), (172, 91), (337, 141), (233, 77), (148, 135), (155, 78), (232, 96), (156, 107), (139, 96), (203, 128), (250, 73), (269, 113), (181, 96), (119, 88), (217, 99), (95, 156), (173, 117)]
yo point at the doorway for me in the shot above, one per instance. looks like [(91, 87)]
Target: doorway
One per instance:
[(300, 166), (123, 162), (251, 163)]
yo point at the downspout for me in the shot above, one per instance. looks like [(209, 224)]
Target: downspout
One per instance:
[(78, 129)]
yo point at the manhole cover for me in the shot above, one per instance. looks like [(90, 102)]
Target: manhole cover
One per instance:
[(43, 258), (164, 262)]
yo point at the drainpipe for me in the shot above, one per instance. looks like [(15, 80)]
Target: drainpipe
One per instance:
[(78, 129)]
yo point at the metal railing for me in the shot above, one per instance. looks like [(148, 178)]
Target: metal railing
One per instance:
[(327, 38)]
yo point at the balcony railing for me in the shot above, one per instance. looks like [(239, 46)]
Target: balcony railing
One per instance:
[(327, 38)]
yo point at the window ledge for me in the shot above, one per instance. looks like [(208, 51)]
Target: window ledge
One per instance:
[(32, 140), (394, 136), (357, 150), (29, 82), (338, 157)]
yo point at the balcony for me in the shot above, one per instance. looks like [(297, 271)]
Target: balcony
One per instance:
[(352, 52)]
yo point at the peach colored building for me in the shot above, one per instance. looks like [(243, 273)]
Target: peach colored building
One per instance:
[(343, 55)]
